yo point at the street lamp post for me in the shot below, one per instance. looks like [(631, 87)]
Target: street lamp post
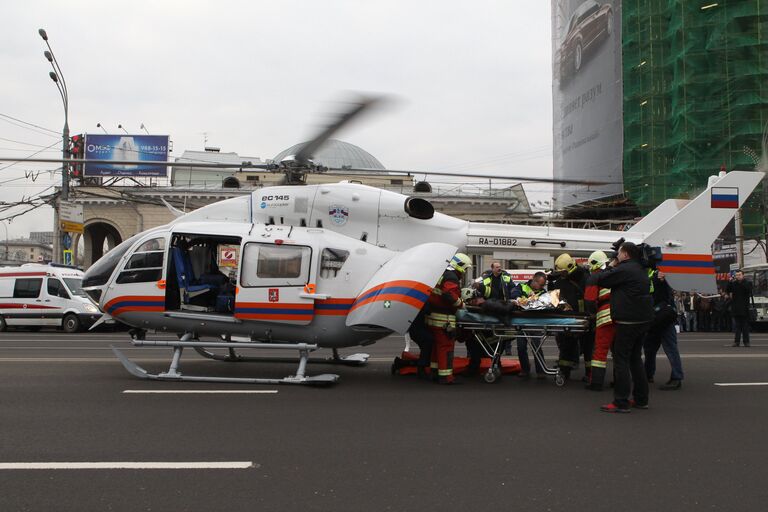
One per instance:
[(61, 84)]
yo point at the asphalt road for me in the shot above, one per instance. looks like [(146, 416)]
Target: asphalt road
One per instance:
[(374, 441)]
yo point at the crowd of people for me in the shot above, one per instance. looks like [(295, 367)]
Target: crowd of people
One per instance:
[(708, 313), (633, 311)]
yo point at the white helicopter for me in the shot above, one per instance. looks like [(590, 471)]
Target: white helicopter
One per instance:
[(344, 265)]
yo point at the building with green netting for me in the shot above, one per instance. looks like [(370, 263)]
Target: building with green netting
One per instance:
[(695, 80)]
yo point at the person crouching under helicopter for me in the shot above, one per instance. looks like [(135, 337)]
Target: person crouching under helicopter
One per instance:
[(530, 290), (598, 300), (571, 279), (444, 301)]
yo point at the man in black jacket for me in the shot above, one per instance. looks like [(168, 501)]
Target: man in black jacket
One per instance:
[(740, 293), (632, 312)]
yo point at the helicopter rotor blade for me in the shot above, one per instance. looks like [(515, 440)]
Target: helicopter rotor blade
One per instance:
[(308, 149), (481, 176), (242, 165), (275, 168)]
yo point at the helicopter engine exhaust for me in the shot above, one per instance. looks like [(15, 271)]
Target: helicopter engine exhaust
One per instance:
[(419, 208)]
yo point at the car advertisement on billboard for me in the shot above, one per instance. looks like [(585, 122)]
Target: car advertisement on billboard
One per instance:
[(587, 98), (148, 150)]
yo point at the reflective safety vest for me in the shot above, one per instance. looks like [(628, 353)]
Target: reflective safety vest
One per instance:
[(603, 307), (441, 320), (650, 278), (505, 280), (528, 291)]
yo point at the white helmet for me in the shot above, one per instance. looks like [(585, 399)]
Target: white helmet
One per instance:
[(597, 260), (461, 262)]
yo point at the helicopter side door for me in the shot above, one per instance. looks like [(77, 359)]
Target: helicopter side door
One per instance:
[(139, 287), (275, 283)]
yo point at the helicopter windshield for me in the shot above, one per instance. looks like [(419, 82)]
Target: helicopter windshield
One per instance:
[(101, 271)]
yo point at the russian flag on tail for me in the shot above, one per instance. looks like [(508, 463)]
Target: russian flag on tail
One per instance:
[(725, 197)]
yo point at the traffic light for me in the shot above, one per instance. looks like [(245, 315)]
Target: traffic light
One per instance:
[(76, 150)]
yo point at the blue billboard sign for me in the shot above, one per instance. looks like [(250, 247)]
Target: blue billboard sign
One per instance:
[(147, 150)]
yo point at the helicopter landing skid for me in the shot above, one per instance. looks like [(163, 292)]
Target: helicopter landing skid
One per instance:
[(232, 356), (173, 373)]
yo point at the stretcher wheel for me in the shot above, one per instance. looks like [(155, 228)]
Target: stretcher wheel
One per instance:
[(560, 379), (490, 376)]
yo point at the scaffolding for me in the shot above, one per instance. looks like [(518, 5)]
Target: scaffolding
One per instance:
[(695, 77)]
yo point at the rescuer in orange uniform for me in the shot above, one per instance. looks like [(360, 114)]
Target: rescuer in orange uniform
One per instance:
[(444, 301), (604, 328)]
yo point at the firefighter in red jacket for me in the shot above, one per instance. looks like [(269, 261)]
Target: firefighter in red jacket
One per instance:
[(444, 301), (604, 328)]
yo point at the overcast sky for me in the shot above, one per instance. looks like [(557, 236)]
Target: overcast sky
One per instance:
[(472, 79)]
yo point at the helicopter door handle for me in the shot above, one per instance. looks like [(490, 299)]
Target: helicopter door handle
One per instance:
[(316, 296)]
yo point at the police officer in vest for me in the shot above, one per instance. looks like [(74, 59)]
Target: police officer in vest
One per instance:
[(497, 284), (532, 288)]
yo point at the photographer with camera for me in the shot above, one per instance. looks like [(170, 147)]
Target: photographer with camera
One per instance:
[(632, 313)]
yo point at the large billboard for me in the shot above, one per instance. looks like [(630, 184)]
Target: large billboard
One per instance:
[(147, 149), (587, 98)]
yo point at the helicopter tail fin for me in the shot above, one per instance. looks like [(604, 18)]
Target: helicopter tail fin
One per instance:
[(686, 230)]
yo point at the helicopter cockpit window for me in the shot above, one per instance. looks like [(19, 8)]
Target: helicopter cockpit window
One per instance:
[(101, 271), (275, 265), (331, 262), (156, 244), (146, 264)]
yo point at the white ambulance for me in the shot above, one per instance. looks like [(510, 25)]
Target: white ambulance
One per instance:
[(35, 296)]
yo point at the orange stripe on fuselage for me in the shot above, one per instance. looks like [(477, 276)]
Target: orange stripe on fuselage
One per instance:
[(687, 257)]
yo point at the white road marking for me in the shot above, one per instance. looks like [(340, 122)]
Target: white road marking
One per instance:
[(69, 348), (127, 465), (79, 360), (728, 384), (201, 391)]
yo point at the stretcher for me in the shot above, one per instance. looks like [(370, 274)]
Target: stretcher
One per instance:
[(534, 326)]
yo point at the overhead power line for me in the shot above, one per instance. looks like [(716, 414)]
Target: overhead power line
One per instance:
[(30, 124), (24, 143), (28, 157)]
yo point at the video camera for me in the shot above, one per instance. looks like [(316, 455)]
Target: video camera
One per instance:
[(650, 256)]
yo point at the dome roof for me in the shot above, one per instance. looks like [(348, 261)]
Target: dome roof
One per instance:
[(337, 153)]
